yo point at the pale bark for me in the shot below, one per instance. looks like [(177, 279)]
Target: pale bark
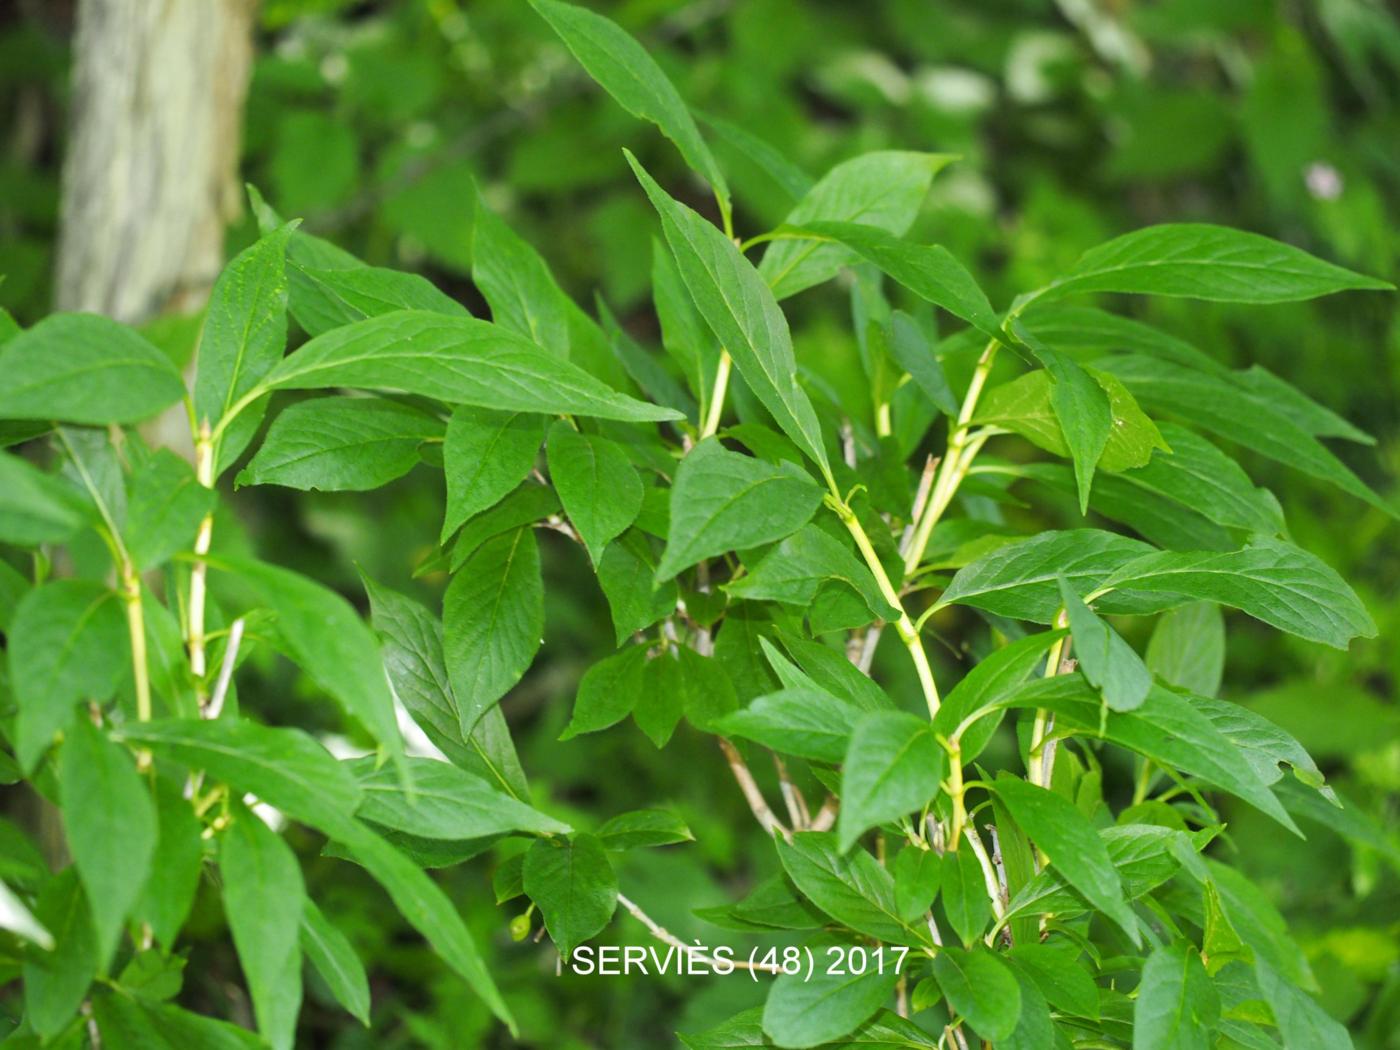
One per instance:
[(150, 179)]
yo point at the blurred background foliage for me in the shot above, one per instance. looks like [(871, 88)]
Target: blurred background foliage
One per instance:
[(1075, 120)]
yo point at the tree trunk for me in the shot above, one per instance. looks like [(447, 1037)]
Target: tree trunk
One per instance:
[(150, 180)]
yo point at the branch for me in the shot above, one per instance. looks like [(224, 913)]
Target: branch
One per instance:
[(235, 638), (666, 937), (752, 794)]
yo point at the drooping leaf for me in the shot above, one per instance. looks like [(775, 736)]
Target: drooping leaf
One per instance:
[(627, 574), (1187, 648), (164, 509), (882, 190), (331, 643), (820, 1010), (1073, 845), (132, 1021), (334, 958), (804, 721), (573, 883), (109, 822), (56, 982), (341, 444), (35, 508), (631, 76), (964, 893), (67, 641), (981, 989), (607, 692), (929, 271), (168, 894), (743, 314), (444, 802), (893, 765), (854, 890), (485, 455), (597, 484), (644, 827), (797, 568), (993, 676), (82, 368), (516, 282), (493, 618), (1110, 663), (917, 877), (1177, 1007), (285, 768), (413, 658), (723, 500), (460, 360), (264, 900)]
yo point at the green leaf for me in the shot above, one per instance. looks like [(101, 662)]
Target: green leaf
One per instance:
[(1220, 406), (607, 692), (804, 721), (662, 700), (164, 510), (67, 642), (1303, 1024), (1200, 261), (56, 982), (1063, 982), (1187, 648), (627, 574), (994, 676), (1271, 580), (964, 893), (722, 500), (644, 827), (742, 312), (134, 1021), (109, 825), (326, 636), (245, 335), (1110, 663), (285, 768), (929, 271), (1081, 408), (596, 482), (803, 1012), (168, 894), (1177, 1006), (622, 67), (82, 368), (1073, 846), (515, 281), (264, 900), (854, 890), (341, 444), (326, 298), (893, 765), (527, 505), (573, 883), (882, 190), (444, 802), (334, 958), (885, 1029), (684, 333), (797, 568), (414, 661), (460, 360), (1198, 475), (493, 617), (35, 507), (913, 351), (917, 877), (1020, 579), (427, 908), (485, 455), (981, 989)]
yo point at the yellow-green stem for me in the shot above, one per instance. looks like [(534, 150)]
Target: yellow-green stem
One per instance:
[(716, 407), (904, 626), (955, 463), (958, 793), (136, 627), (204, 472)]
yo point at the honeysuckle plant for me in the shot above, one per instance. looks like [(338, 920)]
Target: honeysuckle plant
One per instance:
[(1015, 847)]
